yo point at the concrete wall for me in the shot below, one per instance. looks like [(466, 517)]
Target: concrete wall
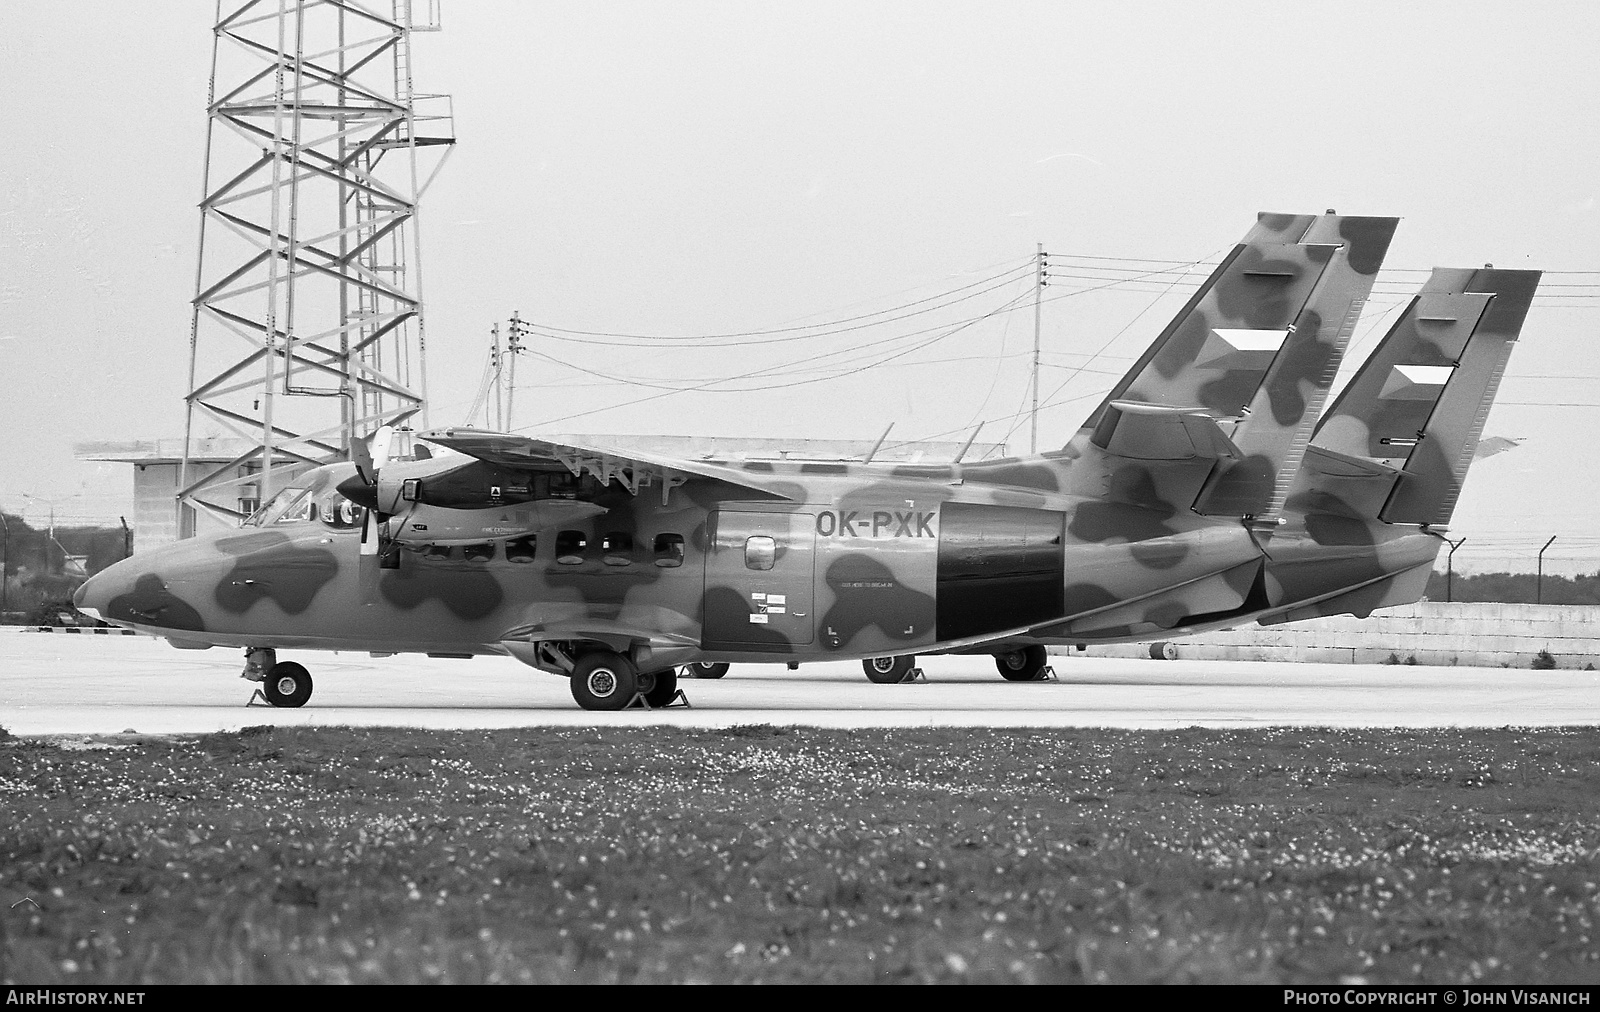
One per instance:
[(155, 512), (1481, 635)]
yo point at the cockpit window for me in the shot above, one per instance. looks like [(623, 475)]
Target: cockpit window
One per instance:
[(287, 506), (339, 513)]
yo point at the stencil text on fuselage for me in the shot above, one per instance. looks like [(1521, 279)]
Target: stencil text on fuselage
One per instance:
[(875, 524)]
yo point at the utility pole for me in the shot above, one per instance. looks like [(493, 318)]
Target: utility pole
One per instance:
[(518, 330), (1038, 289), (497, 361), (1538, 587)]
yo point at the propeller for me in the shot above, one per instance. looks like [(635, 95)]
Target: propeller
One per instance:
[(362, 487)]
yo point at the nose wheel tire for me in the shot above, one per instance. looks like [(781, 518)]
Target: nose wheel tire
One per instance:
[(603, 680), (701, 669), (888, 670), (287, 684), (1025, 665)]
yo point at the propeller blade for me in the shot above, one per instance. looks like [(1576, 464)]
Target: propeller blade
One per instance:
[(382, 442), (361, 457)]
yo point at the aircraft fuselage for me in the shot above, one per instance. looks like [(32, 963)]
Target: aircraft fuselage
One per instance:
[(851, 565)]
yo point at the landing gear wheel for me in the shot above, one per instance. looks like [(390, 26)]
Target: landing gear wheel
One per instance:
[(665, 689), (287, 684), (704, 669), (602, 680), (1024, 665), (888, 670)]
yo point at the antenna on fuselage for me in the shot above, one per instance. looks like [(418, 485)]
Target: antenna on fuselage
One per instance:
[(968, 444), (877, 446)]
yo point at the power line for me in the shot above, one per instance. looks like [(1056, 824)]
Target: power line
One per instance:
[(696, 382), (709, 383), (631, 340)]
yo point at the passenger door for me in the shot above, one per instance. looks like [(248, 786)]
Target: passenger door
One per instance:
[(759, 575)]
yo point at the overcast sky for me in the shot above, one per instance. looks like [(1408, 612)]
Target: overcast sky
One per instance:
[(694, 168)]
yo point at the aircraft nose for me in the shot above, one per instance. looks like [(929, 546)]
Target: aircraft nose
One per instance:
[(148, 590), (95, 593)]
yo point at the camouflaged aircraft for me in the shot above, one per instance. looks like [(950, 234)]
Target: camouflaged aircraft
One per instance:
[(1201, 493)]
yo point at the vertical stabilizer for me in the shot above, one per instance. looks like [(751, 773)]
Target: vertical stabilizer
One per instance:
[(1253, 353), (1396, 444), (1277, 425), (1214, 352)]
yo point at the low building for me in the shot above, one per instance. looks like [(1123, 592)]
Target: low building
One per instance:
[(158, 476)]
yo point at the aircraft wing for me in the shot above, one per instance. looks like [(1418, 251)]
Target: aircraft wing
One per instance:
[(630, 468)]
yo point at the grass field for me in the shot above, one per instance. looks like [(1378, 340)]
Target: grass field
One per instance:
[(802, 855)]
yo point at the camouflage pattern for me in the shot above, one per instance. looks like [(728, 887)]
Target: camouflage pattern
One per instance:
[(1188, 500), (1388, 460), (1419, 402)]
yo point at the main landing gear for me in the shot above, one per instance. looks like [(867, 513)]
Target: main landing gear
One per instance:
[(1029, 664), (705, 669), (606, 680)]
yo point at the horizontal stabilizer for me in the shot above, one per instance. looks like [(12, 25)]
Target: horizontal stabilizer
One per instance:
[(1321, 460), (1157, 432)]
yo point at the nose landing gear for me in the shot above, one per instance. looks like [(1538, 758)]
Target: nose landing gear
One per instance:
[(284, 684), (288, 685)]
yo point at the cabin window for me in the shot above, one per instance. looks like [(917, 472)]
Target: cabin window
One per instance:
[(478, 553), (760, 552), (570, 546), (669, 550), (521, 549), (616, 548), (436, 552)]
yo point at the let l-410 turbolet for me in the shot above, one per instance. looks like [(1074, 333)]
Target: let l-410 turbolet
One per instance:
[(1195, 496)]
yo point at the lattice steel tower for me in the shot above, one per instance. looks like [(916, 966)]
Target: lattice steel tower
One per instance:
[(307, 328)]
